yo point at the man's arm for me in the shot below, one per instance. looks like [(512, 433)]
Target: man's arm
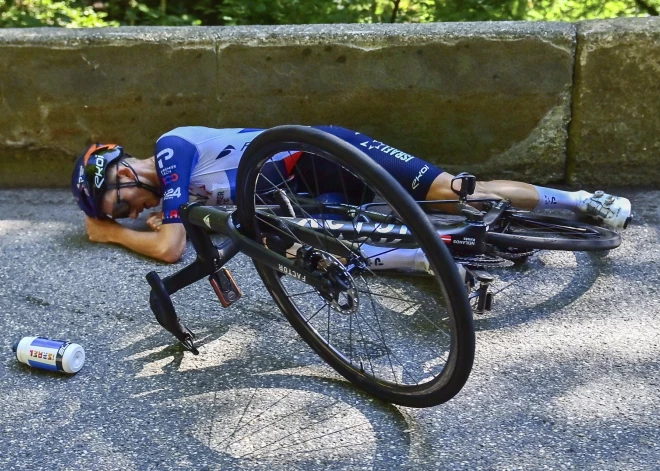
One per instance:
[(167, 244)]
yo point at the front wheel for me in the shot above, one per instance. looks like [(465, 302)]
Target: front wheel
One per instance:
[(406, 340), (523, 230)]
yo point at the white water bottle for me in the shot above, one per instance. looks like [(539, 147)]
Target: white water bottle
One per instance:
[(47, 354)]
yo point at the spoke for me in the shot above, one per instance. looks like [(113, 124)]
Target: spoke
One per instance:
[(298, 205), (300, 294), (365, 349), (309, 216), (430, 321), (551, 225), (258, 415), (534, 233), (359, 206), (350, 339), (376, 227), (315, 450), (395, 356), (278, 229), (382, 253), (389, 359), (304, 408), (327, 339), (314, 315), (541, 228)]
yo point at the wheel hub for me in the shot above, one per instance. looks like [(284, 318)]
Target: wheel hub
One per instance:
[(340, 290)]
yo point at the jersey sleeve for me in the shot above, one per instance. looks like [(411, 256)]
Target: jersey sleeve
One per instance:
[(175, 158)]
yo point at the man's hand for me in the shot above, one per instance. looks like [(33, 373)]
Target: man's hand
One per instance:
[(155, 221), (100, 230)]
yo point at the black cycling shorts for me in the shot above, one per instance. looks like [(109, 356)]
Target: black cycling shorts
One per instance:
[(414, 174)]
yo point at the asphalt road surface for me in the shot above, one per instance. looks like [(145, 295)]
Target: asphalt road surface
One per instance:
[(566, 375)]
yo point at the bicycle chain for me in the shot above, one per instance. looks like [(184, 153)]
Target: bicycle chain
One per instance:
[(481, 260), (513, 255)]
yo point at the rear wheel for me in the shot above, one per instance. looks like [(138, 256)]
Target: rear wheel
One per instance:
[(406, 340), (530, 231)]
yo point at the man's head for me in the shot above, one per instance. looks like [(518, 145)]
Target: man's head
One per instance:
[(106, 184)]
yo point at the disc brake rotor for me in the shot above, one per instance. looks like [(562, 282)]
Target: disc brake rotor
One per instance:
[(342, 294)]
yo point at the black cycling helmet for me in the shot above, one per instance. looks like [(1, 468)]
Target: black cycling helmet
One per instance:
[(89, 182)]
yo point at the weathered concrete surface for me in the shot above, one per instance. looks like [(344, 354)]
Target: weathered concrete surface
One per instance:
[(62, 91), (614, 136), (493, 98)]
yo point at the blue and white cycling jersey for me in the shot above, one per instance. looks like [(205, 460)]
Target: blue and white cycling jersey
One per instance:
[(200, 164)]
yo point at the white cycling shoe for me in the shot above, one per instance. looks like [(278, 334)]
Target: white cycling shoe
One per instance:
[(611, 211)]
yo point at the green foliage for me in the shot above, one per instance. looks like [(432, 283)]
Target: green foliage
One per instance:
[(86, 13), (67, 13), (546, 10)]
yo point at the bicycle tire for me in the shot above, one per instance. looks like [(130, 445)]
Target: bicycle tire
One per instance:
[(354, 366), (531, 231)]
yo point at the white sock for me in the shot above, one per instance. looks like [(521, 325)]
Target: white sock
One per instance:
[(549, 198)]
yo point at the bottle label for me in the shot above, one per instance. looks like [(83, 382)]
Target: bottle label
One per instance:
[(46, 354)]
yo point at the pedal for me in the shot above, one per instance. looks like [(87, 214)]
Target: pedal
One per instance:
[(225, 287), (483, 294), (489, 300)]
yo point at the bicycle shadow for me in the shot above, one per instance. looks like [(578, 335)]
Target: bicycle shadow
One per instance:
[(255, 404), (546, 283)]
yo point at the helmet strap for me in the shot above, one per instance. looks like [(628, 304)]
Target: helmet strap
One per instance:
[(139, 184)]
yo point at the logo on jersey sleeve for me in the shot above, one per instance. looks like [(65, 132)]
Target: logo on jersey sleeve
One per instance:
[(172, 193), (225, 152), (167, 179), (163, 155), (418, 178), (389, 150), (173, 214)]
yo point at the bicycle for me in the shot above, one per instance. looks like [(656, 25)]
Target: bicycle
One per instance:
[(404, 339)]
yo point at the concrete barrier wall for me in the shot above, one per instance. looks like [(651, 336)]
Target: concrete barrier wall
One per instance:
[(492, 98), (615, 131)]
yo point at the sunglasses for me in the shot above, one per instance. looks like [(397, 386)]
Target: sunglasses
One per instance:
[(121, 209)]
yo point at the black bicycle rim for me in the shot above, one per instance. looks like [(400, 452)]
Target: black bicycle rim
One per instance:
[(529, 231), (404, 342)]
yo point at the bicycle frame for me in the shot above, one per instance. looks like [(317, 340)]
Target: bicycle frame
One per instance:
[(468, 237), (210, 260)]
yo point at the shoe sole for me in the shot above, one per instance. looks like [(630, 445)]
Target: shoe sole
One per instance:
[(628, 221)]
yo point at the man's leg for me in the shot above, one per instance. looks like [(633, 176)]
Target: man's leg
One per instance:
[(613, 211), (424, 180), (521, 195)]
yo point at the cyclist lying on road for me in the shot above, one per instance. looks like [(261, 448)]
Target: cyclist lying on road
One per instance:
[(200, 164)]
